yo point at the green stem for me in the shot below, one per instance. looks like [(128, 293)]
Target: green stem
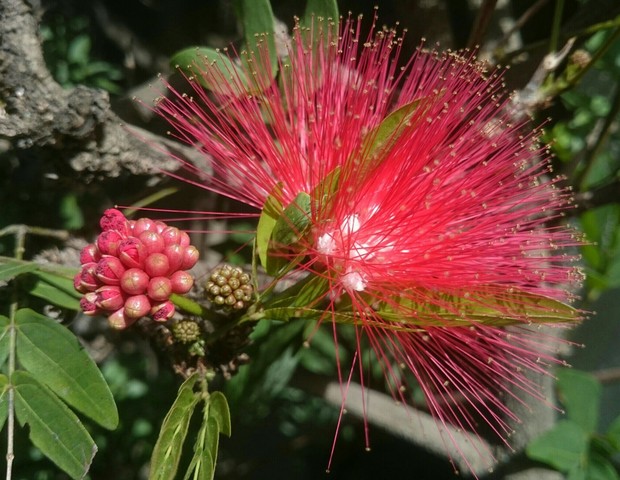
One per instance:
[(554, 40)]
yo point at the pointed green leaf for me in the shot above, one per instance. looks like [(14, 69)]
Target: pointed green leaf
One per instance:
[(56, 289), (54, 356), (54, 429), (4, 395), (564, 447), (269, 216), (202, 465), (484, 307), (613, 433), (258, 29), (600, 468), (384, 135), (290, 227), (303, 293), (169, 447), (319, 16), (580, 393), (211, 68), (11, 270), (4, 339), (219, 411)]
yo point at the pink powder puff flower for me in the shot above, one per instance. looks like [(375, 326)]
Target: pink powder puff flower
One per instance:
[(426, 208)]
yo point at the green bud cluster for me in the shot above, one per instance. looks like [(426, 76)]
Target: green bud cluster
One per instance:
[(186, 331), (230, 287)]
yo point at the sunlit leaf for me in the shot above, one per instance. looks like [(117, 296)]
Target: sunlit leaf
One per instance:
[(54, 428), (53, 355), (580, 393), (487, 308), (169, 447), (272, 210), (564, 447)]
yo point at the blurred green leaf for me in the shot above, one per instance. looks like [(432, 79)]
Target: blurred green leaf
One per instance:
[(258, 28), (600, 468), (580, 393), (565, 447), (70, 209), (211, 68), (613, 433), (79, 49), (54, 429), (320, 15), (53, 355), (169, 447)]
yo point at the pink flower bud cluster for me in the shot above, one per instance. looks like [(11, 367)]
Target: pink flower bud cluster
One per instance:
[(133, 268)]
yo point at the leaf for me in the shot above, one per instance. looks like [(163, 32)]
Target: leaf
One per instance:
[(53, 355), (56, 289), (580, 393), (213, 69), (613, 433), (290, 227), (565, 447), (600, 468), (11, 270), (169, 447), (54, 429), (317, 15), (4, 404), (303, 293), (218, 410), (269, 216), (258, 27), (202, 466), (4, 339), (484, 307), (384, 136)]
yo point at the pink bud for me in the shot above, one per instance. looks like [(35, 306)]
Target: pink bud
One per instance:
[(160, 226), (190, 257), (184, 241), (137, 306), (77, 283), (159, 289), (153, 242), (175, 255), (90, 253), (88, 279), (171, 235), (181, 281), (113, 219), (118, 320), (157, 265), (134, 281), (132, 252), (143, 225), (109, 270), (87, 304), (109, 297), (162, 311), (108, 241)]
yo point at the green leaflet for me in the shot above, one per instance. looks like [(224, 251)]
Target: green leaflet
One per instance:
[(13, 269), (565, 447), (258, 27), (486, 308), (56, 289), (211, 68), (54, 429), (54, 357), (169, 447), (218, 410), (272, 211), (580, 393)]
